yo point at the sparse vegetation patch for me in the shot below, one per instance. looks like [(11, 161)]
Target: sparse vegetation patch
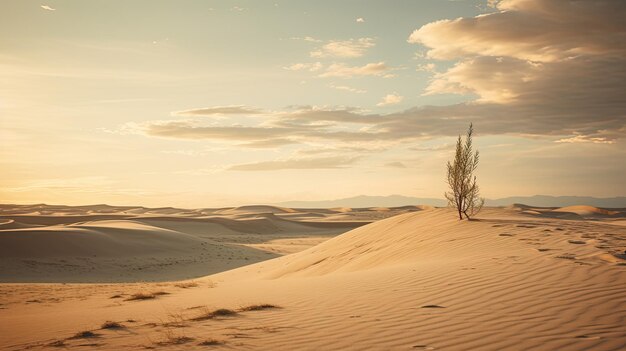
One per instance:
[(260, 307), (112, 325), (85, 335), (146, 296), (222, 312)]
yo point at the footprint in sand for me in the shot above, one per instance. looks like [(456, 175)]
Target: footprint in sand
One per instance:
[(506, 234)]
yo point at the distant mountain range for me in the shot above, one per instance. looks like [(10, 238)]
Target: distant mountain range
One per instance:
[(399, 200)]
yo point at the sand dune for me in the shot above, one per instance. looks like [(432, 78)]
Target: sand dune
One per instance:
[(257, 209), (418, 281), (587, 211), (101, 243)]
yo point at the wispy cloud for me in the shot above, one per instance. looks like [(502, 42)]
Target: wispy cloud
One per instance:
[(433, 147), (297, 163), (533, 30), (347, 88), (307, 38), (311, 67), (270, 143), (48, 8), (427, 67), (554, 63), (337, 126), (219, 110), (344, 48), (585, 139), (390, 99), (343, 71), (360, 20)]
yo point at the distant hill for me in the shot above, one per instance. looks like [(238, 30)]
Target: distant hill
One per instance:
[(366, 201), (560, 201), (399, 200)]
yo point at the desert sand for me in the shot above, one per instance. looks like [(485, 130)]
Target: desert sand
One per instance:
[(515, 278), (101, 243)]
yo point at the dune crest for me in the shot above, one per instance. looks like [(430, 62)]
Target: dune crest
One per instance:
[(421, 280), (586, 210)]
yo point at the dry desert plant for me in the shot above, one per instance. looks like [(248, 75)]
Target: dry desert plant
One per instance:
[(221, 312), (464, 192), (210, 342), (112, 325), (146, 296), (259, 307)]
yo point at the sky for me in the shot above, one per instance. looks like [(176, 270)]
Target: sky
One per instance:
[(223, 103)]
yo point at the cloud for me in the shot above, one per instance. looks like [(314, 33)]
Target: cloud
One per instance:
[(342, 71), (201, 171), (556, 65), (347, 88), (346, 126), (585, 139), (48, 8), (193, 130), (498, 80), (311, 67), (307, 38), (534, 30), (433, 147), (395, 165), (218, 110), (344, 48), (360, 20), (428, 67), (270, 143), (390, 99), (297, 163)]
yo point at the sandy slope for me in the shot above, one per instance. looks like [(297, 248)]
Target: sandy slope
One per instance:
[(43, 243), (512, 280)]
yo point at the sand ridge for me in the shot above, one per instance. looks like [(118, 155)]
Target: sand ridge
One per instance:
[(101, 243), (417, 281)]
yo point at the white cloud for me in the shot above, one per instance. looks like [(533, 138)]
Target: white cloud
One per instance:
[(585, 139), (427, 67), (492, 3), (343, 71), (307, 38), (557, 65), (390, 99), (360, 20), (331, 162), (311, 67), (219, 110), (534, 30), (492, 79), (48, 8), (342, 127), (344, 48), (347, 88)]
